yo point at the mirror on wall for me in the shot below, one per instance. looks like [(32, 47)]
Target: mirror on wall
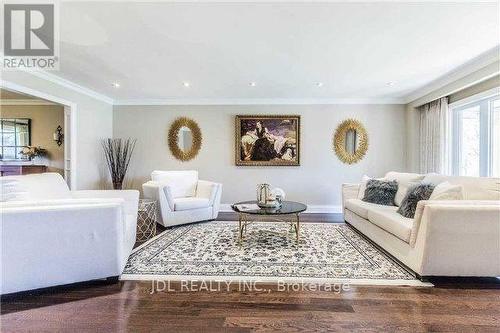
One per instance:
[(184, 139), (350, 141)]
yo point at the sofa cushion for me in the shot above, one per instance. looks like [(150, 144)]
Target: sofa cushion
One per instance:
[(405, 180), (190, 203), (475, 188), (446, 191), (40, 186), (182, 183), (380, 192), (392, 222), (361, 208)]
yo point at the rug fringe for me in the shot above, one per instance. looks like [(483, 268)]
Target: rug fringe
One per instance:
[(277, 280)]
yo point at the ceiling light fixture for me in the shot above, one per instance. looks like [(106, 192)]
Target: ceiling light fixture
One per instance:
[(115, 85), (186, 84), (319, 84), (253, 84), (390, 83)]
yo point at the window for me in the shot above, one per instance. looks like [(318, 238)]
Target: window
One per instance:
[(15, 135), (476, 137)]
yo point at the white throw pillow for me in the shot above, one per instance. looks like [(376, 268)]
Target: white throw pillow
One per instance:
[(447, 191), (403, 188), (362, 185), (405, 181)]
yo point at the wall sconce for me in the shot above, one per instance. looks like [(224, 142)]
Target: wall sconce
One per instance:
[(58, 136)]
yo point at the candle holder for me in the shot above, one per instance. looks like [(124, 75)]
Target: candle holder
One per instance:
[(58, 135)]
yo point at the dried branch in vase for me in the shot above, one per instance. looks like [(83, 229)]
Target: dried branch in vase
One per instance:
[(118, 153)]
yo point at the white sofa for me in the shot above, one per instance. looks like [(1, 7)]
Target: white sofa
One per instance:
[(182, 197), (53, 236), (446, 238)]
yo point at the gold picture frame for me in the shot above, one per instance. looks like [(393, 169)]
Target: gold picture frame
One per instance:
[(275, 142), (340, 137), (173, 139)]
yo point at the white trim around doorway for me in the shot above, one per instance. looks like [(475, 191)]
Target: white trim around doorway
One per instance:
[(72, 108)]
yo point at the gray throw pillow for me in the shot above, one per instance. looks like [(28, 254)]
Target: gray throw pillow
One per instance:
[(381, 192), (413, 196)]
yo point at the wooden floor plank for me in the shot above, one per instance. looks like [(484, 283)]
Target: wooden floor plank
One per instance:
[(129, 307)]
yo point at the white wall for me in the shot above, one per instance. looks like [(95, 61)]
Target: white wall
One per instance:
[(316, 181), (94, 121)]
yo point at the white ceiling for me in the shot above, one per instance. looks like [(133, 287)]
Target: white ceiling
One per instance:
[(354, 49)]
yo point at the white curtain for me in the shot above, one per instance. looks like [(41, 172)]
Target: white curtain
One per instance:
[(434, 131)]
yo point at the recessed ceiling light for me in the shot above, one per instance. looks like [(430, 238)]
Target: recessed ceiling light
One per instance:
[(253, 84), (319, 84), (186, 84), (115, 85), (390, 83)]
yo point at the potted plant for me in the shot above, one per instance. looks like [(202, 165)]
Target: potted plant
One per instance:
[(32, 153)]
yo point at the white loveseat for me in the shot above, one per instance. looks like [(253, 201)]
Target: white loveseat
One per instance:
[(53, 236), (446, 238), (182, 197)]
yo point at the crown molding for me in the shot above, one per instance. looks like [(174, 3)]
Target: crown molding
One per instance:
[(258, 101), (25, 102), (485, 60), (71, 85)]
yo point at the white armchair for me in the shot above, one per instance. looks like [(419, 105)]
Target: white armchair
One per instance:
[(182, 198), (53, 236)]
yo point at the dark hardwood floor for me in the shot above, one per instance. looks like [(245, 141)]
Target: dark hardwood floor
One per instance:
[(453, 305), (129, 307)]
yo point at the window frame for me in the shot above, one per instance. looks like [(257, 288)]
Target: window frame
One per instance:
[(485, 101), (15, 146)]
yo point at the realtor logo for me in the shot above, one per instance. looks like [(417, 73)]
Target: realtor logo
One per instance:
[(29, 36)]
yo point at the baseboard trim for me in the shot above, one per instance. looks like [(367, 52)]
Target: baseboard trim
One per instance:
[(311, 209)]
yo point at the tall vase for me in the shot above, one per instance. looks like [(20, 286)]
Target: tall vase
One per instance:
[(262, 194)]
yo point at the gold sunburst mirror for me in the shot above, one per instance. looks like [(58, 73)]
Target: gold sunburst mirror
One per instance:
[(350, 141), (184, 139)]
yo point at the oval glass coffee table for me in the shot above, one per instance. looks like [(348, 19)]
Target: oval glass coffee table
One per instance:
[(288, 212)]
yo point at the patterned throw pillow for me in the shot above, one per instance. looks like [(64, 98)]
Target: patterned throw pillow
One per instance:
[(413, 196), (380, 192)]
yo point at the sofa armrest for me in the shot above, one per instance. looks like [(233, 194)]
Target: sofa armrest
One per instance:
[(130, 197), (443, 205), (465, 229), (349, 191), (57, 244), (162, 193), (207, 189)]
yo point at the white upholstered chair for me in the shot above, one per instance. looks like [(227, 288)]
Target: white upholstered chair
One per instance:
[(182, 198)]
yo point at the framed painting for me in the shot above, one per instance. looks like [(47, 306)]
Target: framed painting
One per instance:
[(265, 140)]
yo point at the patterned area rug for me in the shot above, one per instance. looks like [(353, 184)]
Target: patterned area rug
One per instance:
[(269, 253)]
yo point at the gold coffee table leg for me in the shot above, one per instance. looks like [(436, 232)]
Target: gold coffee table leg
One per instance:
[(240, 229), (297, 228)]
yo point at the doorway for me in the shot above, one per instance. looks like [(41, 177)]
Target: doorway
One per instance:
[(53, 132)]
